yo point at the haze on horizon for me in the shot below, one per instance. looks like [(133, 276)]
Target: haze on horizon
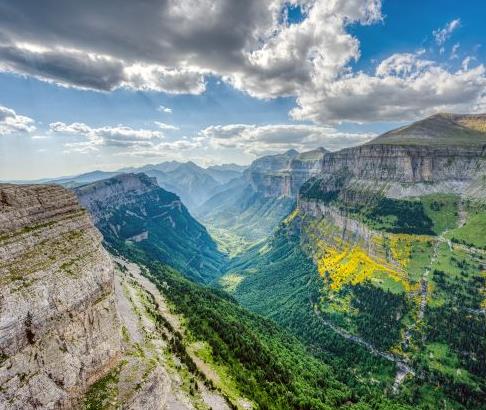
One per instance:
[(90, 86)]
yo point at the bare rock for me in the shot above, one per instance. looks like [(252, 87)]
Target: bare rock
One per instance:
[(59, 330)]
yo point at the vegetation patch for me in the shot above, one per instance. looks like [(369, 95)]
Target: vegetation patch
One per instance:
[(103, 395), (473, 231)]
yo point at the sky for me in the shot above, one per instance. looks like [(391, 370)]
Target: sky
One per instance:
[(104, 85)]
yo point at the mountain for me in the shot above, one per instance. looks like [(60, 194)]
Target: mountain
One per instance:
[(80, 328), (249, 208), (381, 263), (226, 172), (440, 129), (71, 181), (134, 212), (192, 183), (58, 321), (228, 167), (165, 166)]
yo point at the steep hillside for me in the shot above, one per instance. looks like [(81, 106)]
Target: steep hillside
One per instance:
[(58, 321), (134, 212), (250, 361), (78, 330), (193, 184), (383, 253), (440, 129), (250, 208)]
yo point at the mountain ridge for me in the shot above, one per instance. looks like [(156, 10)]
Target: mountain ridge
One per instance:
[(135, 212)]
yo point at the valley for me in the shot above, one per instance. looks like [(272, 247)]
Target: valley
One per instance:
[(242, 205), (319, 280), (385, 241)]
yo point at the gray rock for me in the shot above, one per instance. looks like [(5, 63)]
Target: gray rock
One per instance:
[(59, 329)]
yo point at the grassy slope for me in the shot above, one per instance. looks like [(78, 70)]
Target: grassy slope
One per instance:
[(277, 280), (439, 129), (270, 366)]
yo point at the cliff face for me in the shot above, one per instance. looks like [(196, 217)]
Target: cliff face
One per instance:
[(131, 210), (444, 153), (409, 164), (102, 196), (59, 329), (284, 174)]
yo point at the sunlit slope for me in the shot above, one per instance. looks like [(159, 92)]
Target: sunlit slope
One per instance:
[(384, 254), (439, 129)]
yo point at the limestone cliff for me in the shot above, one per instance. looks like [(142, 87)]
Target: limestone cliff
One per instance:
[(131, 210), (284, 174), (444, 153), (59, 329), (78, 330)]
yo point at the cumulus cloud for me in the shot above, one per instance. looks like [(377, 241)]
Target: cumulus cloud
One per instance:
[(13, 123), (86, 70), (247, 43), (441, 35), (174, 148), (403, 87), (166, 110), (164, 126), (171, 46), (127, 140), (93, 138), (264, 139)]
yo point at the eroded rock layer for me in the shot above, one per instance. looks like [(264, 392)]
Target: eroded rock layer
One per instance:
[(59, 330)]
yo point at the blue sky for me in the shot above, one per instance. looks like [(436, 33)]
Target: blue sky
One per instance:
[(324, 76)]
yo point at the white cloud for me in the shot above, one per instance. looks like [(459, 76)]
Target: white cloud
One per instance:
[(295, 57), (164, 126), (264, 139), (174, 148), (166, 110), (88, 70), (248, 44), (443, 34), (156, 78), (13, 123), (455, 48), (404, 87), (119, 136)]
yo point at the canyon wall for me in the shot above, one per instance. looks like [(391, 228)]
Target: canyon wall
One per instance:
[(59, 329)]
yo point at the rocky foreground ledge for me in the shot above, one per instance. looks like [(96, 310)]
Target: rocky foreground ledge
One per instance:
[(59, 329), (79, 329)]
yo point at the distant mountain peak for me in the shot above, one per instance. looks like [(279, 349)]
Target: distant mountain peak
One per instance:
[(292, 152), (439, 129)]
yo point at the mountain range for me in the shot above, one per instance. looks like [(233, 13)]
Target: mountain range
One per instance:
[(318, 280), (191, 182)]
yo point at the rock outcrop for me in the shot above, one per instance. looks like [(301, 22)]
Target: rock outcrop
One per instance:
[(103, 196), (59, 329), (444, 153), (131, 209), (282, 175)]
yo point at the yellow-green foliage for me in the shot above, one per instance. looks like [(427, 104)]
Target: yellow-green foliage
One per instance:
[(291, 216), (230, 281), (341, 261), (352, 265)]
